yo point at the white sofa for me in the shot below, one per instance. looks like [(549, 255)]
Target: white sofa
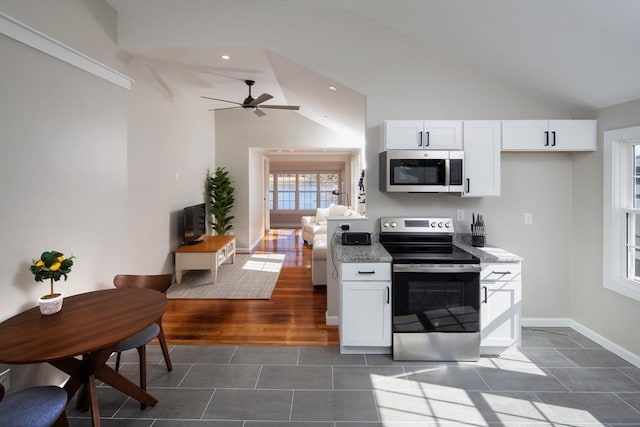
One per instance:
[(317, 224), (314, 233)]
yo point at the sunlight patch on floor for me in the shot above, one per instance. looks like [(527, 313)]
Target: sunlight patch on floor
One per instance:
[(268, 255), (269, 262), (455, 406)]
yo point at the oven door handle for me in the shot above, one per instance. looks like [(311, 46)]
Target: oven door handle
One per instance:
[(436, 268)]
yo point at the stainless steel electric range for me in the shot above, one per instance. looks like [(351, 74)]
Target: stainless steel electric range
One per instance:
[(435, 290)]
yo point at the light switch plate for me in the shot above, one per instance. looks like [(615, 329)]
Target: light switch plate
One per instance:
[(528, 218), (460, 214)]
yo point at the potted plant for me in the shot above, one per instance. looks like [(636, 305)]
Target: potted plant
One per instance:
[(220, 200), (51, 265)]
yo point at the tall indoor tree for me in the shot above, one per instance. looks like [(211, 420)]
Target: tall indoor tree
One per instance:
[(220, 200)]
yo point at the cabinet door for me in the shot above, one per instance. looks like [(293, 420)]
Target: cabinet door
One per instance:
[(366, 314), (525, 135), (501, 297), (442, 135), (481, 158), (573, 135), (403, 134)]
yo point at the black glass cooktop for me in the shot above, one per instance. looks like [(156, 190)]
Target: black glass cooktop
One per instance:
[(439, 254)]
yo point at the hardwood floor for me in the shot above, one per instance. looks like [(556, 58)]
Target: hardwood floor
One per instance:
[(295, 314)]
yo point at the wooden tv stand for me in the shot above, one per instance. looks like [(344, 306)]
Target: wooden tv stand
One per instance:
[(207, 255)]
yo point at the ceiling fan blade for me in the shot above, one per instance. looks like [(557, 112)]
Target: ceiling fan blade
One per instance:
[(223, 100), (259, 100), (259, 113), (281, 107), (226, 108)]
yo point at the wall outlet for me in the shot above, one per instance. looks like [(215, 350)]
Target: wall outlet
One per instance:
[(460, 214), (5, 379), (345, 227), (528, 218)]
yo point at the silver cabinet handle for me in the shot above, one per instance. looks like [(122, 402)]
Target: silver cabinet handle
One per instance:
[(367, 272), (501, 272)]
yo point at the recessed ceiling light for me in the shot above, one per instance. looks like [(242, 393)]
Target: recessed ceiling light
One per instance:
[(292, 151), (332, 88), (225, 57)]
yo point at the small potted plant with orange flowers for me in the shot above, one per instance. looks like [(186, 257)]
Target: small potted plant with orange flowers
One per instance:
[(51, 265)]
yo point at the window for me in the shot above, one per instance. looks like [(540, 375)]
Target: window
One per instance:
[(293, 191), (622, 211)]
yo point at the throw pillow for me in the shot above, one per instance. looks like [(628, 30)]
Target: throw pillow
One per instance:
[(337, 210), (322, 214)]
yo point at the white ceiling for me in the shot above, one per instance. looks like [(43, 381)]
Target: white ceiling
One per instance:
[(201, 71), (583, 52), (586, 52)]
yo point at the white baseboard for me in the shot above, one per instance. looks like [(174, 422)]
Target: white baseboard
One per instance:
[(630, 357), (545, 322), (330, 320), (619, 351)]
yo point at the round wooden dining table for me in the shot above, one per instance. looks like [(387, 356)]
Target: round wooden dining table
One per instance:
[(89, 325)]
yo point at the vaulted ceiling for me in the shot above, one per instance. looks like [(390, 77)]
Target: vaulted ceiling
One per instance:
[(585, 53)]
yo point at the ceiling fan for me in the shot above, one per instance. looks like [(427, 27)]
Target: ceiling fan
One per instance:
[(251, 103)]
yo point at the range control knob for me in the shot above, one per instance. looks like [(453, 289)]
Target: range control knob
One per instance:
[(447, 224), (393, 225), (385, 225), (440, 224), (433, 224)]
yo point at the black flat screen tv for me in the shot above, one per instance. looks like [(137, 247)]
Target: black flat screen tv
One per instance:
[(194, 224)]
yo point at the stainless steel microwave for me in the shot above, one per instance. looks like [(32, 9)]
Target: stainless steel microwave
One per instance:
[(421, 171)]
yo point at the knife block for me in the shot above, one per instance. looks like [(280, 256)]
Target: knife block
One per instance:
[(478, 241)]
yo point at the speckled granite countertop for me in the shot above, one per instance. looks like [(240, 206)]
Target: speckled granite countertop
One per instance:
[(377, 253), (366, 253), (487, 253)]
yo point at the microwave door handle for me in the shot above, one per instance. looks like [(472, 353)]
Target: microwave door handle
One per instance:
[(447, 171)]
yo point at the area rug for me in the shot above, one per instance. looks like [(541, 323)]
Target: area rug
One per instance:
[(250, 277)]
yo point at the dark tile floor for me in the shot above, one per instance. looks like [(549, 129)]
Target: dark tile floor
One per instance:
[(558, 378)]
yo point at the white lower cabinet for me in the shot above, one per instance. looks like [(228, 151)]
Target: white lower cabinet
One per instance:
[(500, 308), (365, 308)]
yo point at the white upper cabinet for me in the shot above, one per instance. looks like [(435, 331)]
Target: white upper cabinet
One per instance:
[(481, 158), (548, 135), (422, 135)]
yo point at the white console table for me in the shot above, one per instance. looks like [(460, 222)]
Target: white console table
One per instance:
[(206, 255)]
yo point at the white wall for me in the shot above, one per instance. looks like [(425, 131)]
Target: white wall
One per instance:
[(605, 312), (256, 195), (63, 176), (170, 148), (87, 167)]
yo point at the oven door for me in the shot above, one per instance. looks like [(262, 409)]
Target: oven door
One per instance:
[(436, 298)]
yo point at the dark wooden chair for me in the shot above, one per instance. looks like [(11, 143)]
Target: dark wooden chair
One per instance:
[(160, 283), (34, 407)]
